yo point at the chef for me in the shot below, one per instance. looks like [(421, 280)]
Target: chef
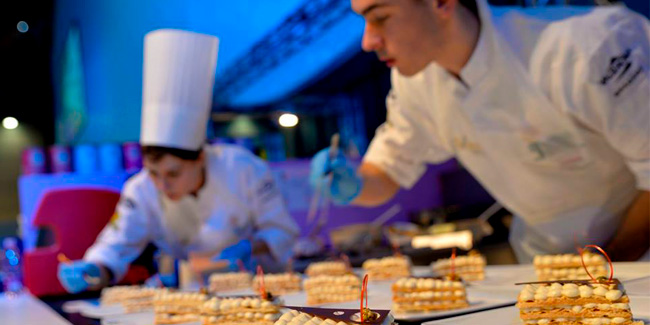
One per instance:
[(190, 197), (551, 117)]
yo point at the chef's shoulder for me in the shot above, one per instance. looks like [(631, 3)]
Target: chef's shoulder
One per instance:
[(234, 159), (590, 42)]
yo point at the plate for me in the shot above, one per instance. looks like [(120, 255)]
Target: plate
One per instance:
[(380, 297), (510, 315)]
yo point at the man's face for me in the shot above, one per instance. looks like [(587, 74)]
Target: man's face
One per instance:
[(403, 33), (176, 177)]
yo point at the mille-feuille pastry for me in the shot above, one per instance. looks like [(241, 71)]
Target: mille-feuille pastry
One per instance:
[(428, 294), (279, 283), (386, 268), (219, 282), (240, 311), (325, 289), (178, 307), (568, 266), (575, 303), (133, 298), (469, 267), (327, 268), (294, 317)]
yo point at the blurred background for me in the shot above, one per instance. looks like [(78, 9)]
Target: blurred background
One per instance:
[(290, 74)]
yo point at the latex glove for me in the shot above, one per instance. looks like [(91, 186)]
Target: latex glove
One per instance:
[(241, 251), (345, 184), (167, 280), (75, 276)]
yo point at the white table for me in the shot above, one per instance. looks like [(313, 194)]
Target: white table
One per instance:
[(25, 309)]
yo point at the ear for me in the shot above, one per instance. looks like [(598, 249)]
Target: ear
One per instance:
[(444, 8), (201, 159)]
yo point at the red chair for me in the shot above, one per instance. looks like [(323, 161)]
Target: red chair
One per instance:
[(76, 217)]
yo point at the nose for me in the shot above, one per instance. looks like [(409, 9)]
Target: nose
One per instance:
[(371, 40)]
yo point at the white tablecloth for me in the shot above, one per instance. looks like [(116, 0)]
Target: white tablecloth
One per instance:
[(25, 309)]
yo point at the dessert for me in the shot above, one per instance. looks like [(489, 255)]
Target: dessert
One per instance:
[(240, 310), (178, 307), (219, 282), (428, 294), (390, 267), (470, 267), (568, 266), (332, 288), (575, 303)]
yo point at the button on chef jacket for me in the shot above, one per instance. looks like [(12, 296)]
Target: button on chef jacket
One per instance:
[(551, 117), (238, 200)]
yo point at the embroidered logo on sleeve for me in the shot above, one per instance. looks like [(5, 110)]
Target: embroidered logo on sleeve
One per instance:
[(621, 73)]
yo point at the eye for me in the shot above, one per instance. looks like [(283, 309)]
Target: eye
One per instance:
[(173, 174), (153, 174), (379, 19)]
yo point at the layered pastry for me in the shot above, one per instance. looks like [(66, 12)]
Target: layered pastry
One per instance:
[(240, 310), (428, 294), (386, 268), (569, 266), (470, 267), (279, 284), (575, 303), (325, 289), (295, 317), (133, 298), (327, 268), (178, 307), (219, 282)]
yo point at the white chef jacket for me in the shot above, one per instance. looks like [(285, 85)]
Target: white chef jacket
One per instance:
[(551, 117), (239, 200)]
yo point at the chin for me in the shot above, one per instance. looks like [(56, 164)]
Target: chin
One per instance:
[(174, 197), (408, 72)]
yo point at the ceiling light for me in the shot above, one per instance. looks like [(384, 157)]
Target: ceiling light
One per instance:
[(10, 123), (288, 120)]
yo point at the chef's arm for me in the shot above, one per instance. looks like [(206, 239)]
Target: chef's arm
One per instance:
[(632, 238), (259, 247), (378, 187)]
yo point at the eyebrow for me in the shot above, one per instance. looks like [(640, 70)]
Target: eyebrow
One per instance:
[(371, 8)]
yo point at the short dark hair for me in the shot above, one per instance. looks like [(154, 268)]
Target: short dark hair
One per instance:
[(155, 153)]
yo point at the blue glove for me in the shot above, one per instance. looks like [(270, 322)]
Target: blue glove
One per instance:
[(73, 275), (167, 280), (345, 184), (240, 251)]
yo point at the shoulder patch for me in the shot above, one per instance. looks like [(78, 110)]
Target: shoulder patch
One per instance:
[(127, 203)]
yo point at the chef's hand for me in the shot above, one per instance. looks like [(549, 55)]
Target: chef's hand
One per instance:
[(77, 276), (158, 280), (345, 185), (241, 251)]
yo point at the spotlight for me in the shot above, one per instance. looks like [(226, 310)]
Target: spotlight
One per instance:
[(10, 123), (288, 120), (22, 27)]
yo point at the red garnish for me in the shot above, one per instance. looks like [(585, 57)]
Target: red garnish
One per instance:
[(396, 251), (453, 262), (611, 267), (241, 266), (346, 260), (575, 243), (260, 275), (364, 293)]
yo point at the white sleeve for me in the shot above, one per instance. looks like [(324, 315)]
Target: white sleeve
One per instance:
[(401, 146), (274, 225), (125, 236), (610, 92)]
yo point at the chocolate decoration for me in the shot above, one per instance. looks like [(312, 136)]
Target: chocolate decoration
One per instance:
[(341, 315)]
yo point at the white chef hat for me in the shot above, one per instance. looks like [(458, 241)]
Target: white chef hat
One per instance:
[(178, 77)]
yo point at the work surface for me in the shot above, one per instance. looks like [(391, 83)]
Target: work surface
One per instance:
[(490, 300)]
